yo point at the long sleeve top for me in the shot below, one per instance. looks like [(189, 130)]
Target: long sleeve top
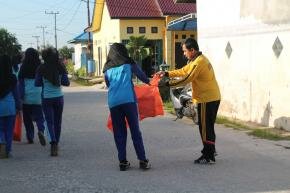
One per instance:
[(48, 89), (119, 82), (201, 74), (10, 103)]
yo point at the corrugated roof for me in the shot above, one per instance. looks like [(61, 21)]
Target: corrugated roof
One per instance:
[(147, 8), (83, 37), (185, 23), (133, 8)]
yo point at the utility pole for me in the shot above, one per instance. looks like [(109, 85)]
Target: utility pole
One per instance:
[(37, 41), (55, 35), (89, 25), (43, 32)]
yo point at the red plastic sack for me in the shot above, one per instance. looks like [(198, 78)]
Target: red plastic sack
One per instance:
[(17, 127), (149, 101)]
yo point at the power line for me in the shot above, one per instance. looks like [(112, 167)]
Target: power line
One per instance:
[(74, 14), (55, 34)]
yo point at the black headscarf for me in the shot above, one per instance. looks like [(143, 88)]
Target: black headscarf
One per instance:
[(7, 78), (30, 64), (118, 55), (52, 67)]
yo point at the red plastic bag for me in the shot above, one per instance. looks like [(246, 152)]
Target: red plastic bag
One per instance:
[(149, 101), (17, 127)]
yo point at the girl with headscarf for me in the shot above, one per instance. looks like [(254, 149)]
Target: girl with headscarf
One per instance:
[(118, 71), (50, 76), (9, 105), (31, 96)]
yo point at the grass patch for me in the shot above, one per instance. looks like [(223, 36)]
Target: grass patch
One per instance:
[(266, 134), (168, 106), (254, 130)]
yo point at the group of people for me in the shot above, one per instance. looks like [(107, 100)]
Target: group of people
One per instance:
[(32, 86), (36, 90), (118, 72)]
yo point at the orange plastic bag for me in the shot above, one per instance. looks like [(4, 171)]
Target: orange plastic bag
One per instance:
[(17, 127), (149, 101)]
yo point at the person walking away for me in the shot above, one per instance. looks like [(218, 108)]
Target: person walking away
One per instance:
[(205, 92), (50, 76), (31, 96), (9, 105), (118, 72)]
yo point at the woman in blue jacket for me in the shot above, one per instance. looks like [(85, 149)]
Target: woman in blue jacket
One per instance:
[(50, 76), (118, 71), (31, 96), (9, 105)]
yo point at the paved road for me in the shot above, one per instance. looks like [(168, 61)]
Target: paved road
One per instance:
[(88, 162)]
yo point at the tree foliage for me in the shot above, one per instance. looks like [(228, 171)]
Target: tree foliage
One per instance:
[(66, 52), (136, 47), (8, 43)]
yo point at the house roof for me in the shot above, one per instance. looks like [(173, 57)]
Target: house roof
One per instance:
[(133, 8), (83, 37), (185, 1), (147, 8), (168, 7)]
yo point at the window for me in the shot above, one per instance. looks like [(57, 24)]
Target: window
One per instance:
[(176, 36), (192, 36), (154, 30), (142, 30), (129, 30), (183, 36)]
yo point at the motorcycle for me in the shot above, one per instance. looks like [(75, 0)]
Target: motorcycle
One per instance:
[(182, 103)]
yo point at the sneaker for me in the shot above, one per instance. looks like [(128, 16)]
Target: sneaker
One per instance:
[(144, 164), (202, 160), (212, 157), (124, 165), (53, 150), (41, 138)]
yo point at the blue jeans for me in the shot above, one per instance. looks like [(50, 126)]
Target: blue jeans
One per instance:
[(6, 131)]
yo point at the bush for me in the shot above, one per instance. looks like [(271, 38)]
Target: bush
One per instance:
[(70, 67), (81, 72)]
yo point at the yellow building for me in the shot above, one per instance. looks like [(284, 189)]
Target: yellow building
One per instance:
[(117, 20)]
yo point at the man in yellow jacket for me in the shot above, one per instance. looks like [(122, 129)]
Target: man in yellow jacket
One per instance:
[(205, 92)]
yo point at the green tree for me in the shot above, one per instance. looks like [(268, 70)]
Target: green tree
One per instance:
[(66, 52), (8, 43), (136, 48)]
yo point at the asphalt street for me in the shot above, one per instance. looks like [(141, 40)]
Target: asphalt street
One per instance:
[(87, 161)]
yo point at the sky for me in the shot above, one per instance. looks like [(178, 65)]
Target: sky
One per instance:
[(23, 17)]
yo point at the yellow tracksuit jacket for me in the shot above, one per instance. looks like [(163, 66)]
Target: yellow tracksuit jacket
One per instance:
[(201, 74)]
